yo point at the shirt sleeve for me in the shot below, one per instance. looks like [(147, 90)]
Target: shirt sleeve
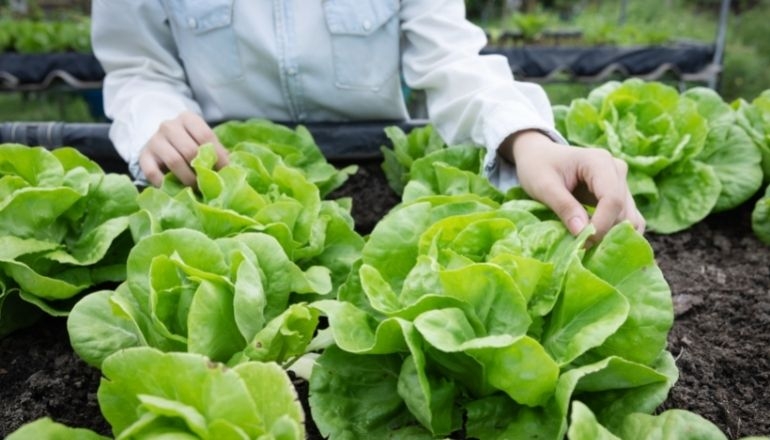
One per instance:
[(144, 83), (470, 97)]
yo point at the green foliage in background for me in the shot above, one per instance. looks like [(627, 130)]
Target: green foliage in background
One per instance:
[(747, 52), (40, 36)]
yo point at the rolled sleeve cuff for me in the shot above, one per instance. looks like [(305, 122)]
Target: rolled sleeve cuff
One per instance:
[(503, 122)]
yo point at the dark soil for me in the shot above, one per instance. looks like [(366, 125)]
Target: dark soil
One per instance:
[(719, 275)]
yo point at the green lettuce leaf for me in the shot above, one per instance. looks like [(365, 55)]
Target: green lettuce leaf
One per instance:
[(147, 393), (673, 423), (760, 217), (46, 429)]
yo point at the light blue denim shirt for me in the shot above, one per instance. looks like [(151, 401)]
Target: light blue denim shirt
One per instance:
[(307, 60)]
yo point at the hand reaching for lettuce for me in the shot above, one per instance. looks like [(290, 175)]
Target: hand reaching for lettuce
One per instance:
[(175, 145), (565, 178)]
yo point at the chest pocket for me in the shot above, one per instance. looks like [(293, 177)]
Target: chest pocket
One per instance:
[(365, 41), (207, 43)]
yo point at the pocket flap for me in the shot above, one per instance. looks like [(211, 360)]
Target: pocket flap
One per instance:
[(202, 16), (358, 17)]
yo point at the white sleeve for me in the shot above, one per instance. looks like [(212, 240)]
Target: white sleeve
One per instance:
[(470, 97), (145, 83)]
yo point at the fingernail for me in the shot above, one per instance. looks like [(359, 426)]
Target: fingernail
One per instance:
[(576, 224)]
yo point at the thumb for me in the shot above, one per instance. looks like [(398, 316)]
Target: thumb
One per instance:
[(565, 205)]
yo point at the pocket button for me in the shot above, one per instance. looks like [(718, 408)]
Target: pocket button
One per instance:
[(192, 22), (367, 25)]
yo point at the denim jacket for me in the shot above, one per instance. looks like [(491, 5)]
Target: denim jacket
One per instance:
[(308, 60)]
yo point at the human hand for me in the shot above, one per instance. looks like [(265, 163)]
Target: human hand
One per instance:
[(175, 145), (565, 177)]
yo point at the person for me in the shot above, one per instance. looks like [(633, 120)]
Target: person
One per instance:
[(173, 65)]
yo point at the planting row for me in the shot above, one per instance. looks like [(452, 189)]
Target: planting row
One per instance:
[(466, 312)]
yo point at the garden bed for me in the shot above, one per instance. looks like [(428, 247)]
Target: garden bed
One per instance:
[(718, 273)]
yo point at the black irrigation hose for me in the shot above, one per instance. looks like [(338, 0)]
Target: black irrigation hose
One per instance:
[(340, 142), (91, 139)]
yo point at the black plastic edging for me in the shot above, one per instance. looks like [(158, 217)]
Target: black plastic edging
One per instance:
[(340, 142)]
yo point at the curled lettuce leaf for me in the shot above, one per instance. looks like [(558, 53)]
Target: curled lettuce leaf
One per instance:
[(46, 429), (673, 423), (147, 393)]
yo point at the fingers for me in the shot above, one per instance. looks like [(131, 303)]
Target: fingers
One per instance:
[(606, 181), (162, 155), (150, 167), (549, 188), (565, 178), (571, 213), (546, 173), (200, 131), (175, 145), (178, 134), (635, 217), (606, 178)]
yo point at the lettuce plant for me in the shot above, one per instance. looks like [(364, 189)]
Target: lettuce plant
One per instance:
[(63, 229), (760, 217), (728, 149), (232, 298), (296, 148), (685, 153), (673, 423), (754, 117), (466, 314), (146, 393), (257, 191), (421, 164), (404, 150)]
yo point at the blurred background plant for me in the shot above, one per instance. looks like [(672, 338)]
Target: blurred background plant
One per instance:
[(39, 27), (641, 22)]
